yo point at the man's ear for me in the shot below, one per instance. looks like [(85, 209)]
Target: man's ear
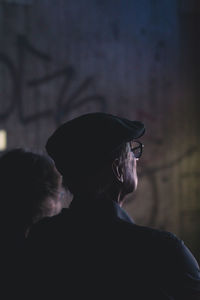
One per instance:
[(117, 170)]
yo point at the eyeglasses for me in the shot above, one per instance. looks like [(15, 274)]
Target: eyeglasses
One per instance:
[(136, 148)]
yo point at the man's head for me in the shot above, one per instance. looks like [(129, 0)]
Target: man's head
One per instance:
[(91, 148)]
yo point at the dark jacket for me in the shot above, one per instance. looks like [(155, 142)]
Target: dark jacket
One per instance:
[(96, 251)]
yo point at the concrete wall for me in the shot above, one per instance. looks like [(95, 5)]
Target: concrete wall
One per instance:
[(135, 58)]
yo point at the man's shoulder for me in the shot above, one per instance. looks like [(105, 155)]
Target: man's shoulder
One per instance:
[(153, 245), (148, 234), (165, 256), (159, 244)]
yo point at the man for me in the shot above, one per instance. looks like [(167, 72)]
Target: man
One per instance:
[(95, 244)]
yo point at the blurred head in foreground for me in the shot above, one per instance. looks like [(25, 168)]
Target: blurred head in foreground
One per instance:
[(30, 187)]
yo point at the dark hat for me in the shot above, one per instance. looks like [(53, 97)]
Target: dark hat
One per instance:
[(90, 139)]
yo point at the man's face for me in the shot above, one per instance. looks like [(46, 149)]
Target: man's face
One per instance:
[(130, 172)]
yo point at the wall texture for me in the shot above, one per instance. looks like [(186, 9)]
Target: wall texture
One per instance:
[(135, 58)]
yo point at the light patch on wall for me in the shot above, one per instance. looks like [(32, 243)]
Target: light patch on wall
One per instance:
[(3, 140), (23, 2)]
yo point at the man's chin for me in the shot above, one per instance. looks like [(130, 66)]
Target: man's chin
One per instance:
[(125, 194)]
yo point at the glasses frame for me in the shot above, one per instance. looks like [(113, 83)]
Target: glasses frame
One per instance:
[(140, 146)]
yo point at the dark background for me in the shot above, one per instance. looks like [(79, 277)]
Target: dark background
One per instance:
[(134, 58)]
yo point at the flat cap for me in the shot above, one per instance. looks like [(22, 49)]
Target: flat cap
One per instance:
[(88, 140)]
